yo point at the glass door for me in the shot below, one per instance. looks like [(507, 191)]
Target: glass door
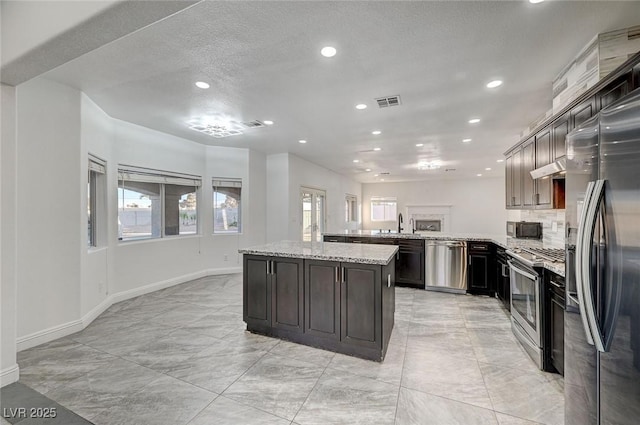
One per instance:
[(313, 213)]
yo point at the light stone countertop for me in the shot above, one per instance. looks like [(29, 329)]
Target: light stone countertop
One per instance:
[(329, 251), (503, 241)]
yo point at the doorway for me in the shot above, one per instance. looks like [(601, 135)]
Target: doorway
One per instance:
[(313, 213)]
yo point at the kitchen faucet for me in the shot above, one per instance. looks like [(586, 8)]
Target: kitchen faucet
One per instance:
[(413, 225), (399, 223)]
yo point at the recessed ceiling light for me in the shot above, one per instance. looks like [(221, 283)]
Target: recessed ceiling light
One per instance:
[(466, 140), (356, 160), (474, 120), (493, 84), (500, 160), (377, 149), (202, 85), (419, 145), (376, 175), (381, 180), (361, 106), (302, 141), (488, 169), (535, 1), (267, 122), (376, 132), (368, 169), (479, 175), (328, 51)]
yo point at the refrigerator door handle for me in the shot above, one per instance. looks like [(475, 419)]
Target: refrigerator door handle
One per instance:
[(580, 242), (589, 306)]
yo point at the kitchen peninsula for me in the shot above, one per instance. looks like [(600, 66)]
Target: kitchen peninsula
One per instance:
[(335, 296)]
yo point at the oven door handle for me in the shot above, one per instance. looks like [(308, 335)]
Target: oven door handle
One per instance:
[(585, 264), (520, 271)]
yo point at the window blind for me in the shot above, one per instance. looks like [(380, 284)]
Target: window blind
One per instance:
[(218, 182), (97, 165), (134, 174)]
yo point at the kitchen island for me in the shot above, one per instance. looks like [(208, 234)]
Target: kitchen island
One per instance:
[(335, 296)]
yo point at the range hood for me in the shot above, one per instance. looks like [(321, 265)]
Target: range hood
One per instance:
[(550, 169)]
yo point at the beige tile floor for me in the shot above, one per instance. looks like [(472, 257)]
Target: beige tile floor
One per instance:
[(181, 356)]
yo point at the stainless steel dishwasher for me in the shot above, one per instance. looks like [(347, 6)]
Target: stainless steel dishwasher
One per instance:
[(446, 266)]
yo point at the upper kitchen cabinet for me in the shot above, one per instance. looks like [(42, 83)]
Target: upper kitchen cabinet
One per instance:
[(528, 165), (543, 197), (513, 185), (615, 90), (559, 131), (582, 112)]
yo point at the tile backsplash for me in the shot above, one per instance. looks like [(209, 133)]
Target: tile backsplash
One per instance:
[(553, 231)]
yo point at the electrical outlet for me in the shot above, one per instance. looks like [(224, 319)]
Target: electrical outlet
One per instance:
[(554, 226), (226, 257)]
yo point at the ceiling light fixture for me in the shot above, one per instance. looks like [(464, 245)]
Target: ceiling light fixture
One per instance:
[(425, 165), (479, 175), (377, 149), (302, 141), (381, 180), (474, 121), (376, 175), (267, 122), (466, 140), (488, 169), (376, 132), (202, 85), (368, 169), (493, 84), (500, 160), (535, 1), (356, 160), (419, 145), (328, 51), (361, 106)]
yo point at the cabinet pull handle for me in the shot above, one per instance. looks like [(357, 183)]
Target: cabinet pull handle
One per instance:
[(268, 264), (389, 280), (273, 267), (336, 274), (557, 285), (513, 201), (343, 279)]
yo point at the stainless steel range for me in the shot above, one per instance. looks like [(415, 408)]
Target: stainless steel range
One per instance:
[(527, 298)]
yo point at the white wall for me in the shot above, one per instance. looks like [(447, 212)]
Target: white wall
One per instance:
[(8, 213), (48, 199), (284, 212), (62, 284), (477, 205)]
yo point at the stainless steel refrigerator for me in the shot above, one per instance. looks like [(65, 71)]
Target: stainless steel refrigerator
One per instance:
[(602, 318)]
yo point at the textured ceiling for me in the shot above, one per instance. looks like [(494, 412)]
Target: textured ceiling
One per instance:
[(263, 63)]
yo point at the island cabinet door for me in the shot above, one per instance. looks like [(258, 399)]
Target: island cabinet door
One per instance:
[(322, 298), (287, 294), (256, 290), (361, 305)]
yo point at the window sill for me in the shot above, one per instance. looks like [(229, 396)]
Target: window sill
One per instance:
[(96, 249), (157, 240), (227, 234)]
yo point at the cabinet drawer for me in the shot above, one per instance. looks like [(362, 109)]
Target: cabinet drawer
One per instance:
[(479, 246), (411, 244)]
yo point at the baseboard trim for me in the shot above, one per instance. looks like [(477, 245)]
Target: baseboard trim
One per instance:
[(47, 335), (9, 375)]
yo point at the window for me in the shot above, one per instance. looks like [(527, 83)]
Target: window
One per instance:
[(95, 201), (155, 204), (383, 209), (351, 208), (227, 211)]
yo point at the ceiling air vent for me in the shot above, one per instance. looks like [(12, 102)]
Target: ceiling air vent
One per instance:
[(384, 174), (253, 124), (385, 102)]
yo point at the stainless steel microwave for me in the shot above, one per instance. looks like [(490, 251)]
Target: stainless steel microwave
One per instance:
[(524, 229)]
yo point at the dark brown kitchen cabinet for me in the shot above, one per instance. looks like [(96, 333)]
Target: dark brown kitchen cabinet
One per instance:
[(350, 306), (554, 322), (559, 131), (410, 263), (615, 90), (409, 259), (513, 164), (273, 289), (528, 164), (481, 264), (582, 112), (329, 238), (322, 298), (543, 197)]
